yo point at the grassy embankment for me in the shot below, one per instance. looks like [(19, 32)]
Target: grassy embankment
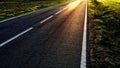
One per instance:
[(11, 9), (104, 33)]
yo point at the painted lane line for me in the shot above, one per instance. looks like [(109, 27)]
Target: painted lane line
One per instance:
[(18, 16), (61, 10), (65, 8), (28, 13), (84, 43), (46, 19), (18, 35)]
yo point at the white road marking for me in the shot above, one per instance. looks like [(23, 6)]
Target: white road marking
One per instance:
[(65, 8), (18, 35), (84, 43), (22, 15), (46, 19), (18, 16), (61, 10)]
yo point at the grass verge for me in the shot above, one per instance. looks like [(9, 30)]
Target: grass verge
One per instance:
[(104, 33), (11, 9)]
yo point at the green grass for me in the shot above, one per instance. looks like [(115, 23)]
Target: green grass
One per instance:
[(11, 9), (104, 33)]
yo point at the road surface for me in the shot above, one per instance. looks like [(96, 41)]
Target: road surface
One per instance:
[(48, 38)]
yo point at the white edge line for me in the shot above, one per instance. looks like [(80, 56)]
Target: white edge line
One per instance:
[(9, 40), (46, 19), (84, 43), (18, 35), (22, 15), (18, 16)]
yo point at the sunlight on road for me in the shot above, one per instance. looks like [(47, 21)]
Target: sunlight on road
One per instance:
[(74, 4)]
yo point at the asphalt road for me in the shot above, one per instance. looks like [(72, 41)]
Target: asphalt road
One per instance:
[(54, 40)]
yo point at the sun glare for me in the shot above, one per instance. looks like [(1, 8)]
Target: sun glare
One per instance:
[(74, 4)]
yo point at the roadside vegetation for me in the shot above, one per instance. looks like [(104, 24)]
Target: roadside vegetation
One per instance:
[(104, 33), (11, 8)]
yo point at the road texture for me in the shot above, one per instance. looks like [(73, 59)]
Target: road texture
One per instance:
[(48, 38)]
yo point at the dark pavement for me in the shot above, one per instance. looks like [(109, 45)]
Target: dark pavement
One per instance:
[(56, 43)]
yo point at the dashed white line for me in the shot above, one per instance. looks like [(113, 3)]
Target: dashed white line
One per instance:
[(60, 11), (46, 19), (18, 35), (84, 43), (65, 8)]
